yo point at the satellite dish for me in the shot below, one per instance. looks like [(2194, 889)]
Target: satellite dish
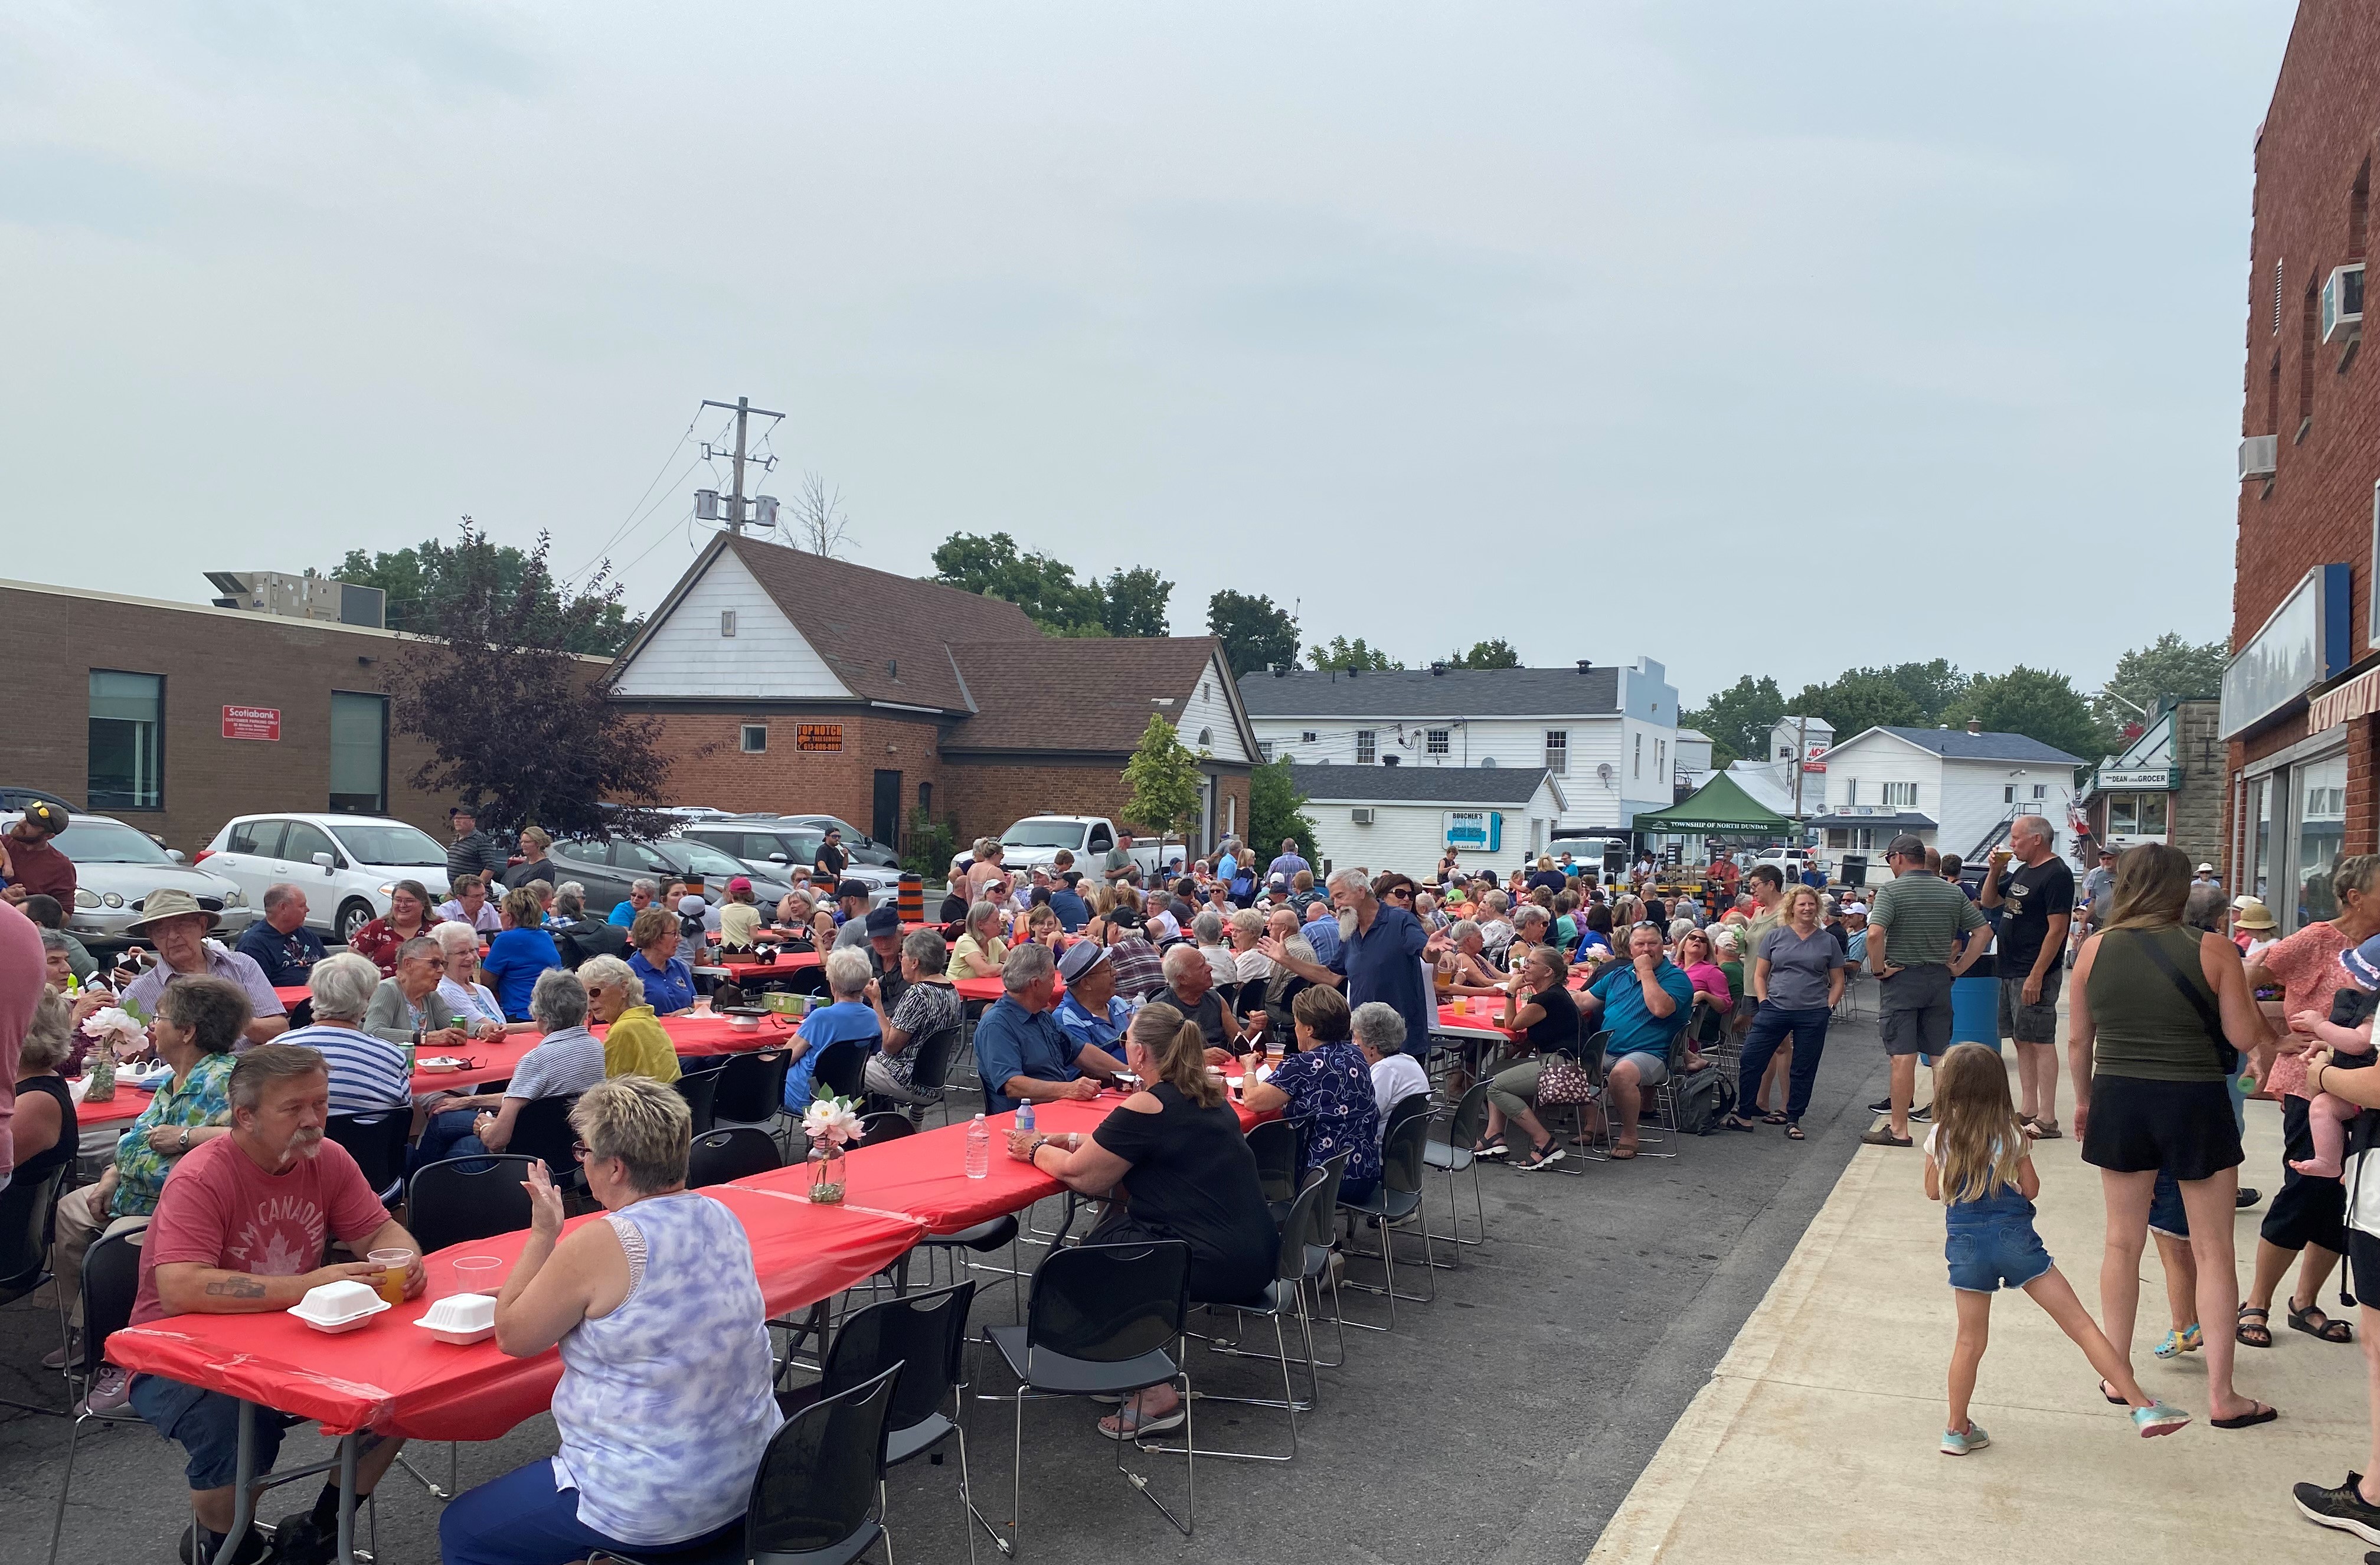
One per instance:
[(1487, 762), (1603, 773)]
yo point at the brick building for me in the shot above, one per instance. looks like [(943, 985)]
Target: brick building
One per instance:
[(176, 717), (793, 682), (2304, 680)]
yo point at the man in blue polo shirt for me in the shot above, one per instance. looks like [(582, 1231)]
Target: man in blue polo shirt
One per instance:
[(1643, 1005), (1068, 902), (1021, 1051), (1092, 1013)]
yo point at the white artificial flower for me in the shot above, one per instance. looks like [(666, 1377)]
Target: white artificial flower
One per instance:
[(835, 1119), (116, 1023)]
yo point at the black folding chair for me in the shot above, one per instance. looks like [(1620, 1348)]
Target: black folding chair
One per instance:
[(111, 1281), (928, 1077), (543, 1130), (737, 1152), (700, 1091), (751, 1088), (842, 1070), (28, 1212), (924, 1335), (1395, 1199), (1275, 1143), (376, 1141), (1454, 1155), (1105, 1320)]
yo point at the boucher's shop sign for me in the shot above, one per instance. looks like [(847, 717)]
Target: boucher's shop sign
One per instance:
[(251, 722), (2360, 696)]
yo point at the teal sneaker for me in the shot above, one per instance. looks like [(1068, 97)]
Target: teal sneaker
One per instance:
[(2159, 1418), (1973, 1439)]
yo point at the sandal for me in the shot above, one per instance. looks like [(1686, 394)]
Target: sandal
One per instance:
[(2256, 1333), (1777, 1118), (2044, 1130), (1128, 1423), (1494, 1146), (2258, 1413), (2108, 1391), (1737, 1121), (1793, 1131), (2328, 1331), (2175, 1343)]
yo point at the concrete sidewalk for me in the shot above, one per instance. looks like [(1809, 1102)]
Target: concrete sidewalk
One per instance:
[(1815, 1436)]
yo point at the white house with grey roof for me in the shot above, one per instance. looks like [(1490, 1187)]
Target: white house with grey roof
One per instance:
[(1607, 734), (1956, 789), (1404, 817)]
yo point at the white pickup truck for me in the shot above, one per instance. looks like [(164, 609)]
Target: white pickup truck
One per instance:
[(1033, 842)]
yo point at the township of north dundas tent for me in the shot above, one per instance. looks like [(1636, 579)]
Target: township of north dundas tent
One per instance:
[(1719, 808)]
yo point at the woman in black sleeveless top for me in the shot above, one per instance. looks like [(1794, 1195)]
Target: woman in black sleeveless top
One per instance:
[(43, 1127)]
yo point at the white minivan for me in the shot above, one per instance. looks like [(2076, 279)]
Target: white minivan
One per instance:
[(346, 865)]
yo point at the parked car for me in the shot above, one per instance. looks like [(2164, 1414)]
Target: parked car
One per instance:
[(117, 865), (607, 870), (346, 865), (774, 845), (1033, 843), (17, 798)]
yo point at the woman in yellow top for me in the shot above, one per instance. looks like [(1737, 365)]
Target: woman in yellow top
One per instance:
[(634, 1043), (980, 951), (739, 917)]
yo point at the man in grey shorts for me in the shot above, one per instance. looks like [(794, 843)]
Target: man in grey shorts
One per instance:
[(1914, 931)]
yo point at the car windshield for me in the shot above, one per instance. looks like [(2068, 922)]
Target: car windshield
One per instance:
[(800, 847), (707, 861), (1065, 834), (391, 842), (104, 842)]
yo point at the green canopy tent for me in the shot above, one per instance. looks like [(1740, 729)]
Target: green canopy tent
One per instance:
[(1719, 808)]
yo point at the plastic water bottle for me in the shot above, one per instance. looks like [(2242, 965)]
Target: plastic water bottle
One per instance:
[(979, 1150), (1025, 1115)]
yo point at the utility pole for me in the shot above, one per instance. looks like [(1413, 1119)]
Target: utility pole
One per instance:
[(743, 409)]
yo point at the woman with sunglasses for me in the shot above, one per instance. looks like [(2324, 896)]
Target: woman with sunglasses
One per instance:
[(566, 1062)]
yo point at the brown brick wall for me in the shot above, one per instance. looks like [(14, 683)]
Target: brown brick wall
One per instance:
[(2316, 146), (51, 641), (790, 781)]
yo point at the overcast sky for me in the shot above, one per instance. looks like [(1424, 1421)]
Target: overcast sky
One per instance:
[(1756, 337)]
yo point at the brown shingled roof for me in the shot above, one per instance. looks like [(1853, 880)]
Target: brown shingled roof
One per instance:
[(865, 622), (1093, 695)]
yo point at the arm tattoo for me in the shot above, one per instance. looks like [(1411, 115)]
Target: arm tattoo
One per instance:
[(236, 1287)]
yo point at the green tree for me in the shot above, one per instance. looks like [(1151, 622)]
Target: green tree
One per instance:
[(1932, 685), (1133, 602), (1044, 588), (1255, 632), (2033, 702), (1857, 700), (929, 848), (418, 581), (1277, 809), (513, 722), (2168, 667), (1738, 719), (1164, 781), (1344, 654), (1497, 653)]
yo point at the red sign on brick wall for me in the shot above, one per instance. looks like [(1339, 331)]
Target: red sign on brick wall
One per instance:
[(818, 737), (251, 722)]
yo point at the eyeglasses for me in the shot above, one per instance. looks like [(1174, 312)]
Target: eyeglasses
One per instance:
[(579, 1150)]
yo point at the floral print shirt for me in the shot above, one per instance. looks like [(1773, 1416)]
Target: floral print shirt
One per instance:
[(1330, 1098), (201, 1098)]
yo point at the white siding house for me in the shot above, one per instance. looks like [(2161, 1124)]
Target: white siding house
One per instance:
[(1957, 790), (1384, 818), (1608, 735), (726, 636)]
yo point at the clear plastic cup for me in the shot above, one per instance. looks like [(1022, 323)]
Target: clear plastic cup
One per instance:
[(394, 1265), (477, 1274)]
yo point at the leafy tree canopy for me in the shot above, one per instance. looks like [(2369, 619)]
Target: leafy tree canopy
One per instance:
[(1163, 777), (1128, 603), (1738, 720), (1497, 653), (2168, 667), (1344, 654), (1256, 632), (2034, 702), (421, 580)]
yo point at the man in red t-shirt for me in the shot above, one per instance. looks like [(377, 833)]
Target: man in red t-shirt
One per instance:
[(242, 1228), (2307, 1215), (32, 864)]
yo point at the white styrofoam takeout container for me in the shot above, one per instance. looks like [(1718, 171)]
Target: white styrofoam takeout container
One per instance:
[(461, 1318), (339, 1306)]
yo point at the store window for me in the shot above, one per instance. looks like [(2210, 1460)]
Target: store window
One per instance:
[(127, 726), (359, 753), (2136, 815), (2321, 836), (2260, 836)]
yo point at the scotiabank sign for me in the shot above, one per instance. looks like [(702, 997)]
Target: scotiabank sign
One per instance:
[(251, 722)]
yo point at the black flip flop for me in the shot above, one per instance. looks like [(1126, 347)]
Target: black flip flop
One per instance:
[(2328, 1331), (2111, 1395), (1737, 1121), (2248, 1420)]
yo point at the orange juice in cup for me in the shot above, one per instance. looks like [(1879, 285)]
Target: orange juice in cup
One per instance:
[(394, 1265)]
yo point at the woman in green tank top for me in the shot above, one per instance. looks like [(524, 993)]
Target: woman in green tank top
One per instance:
[(2153, 1004)]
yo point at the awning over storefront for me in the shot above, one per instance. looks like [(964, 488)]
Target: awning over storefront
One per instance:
[(1884, 821), (1719, 808)]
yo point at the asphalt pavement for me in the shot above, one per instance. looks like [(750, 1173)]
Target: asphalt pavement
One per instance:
[(1503, 1423)]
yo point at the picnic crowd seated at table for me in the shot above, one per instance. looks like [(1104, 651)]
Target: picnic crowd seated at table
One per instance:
[(640, 896), (522, 950), (1092, 1012), (566, 1062), (979, 951), (1190, 989), (668, 980), (1644, 1002), (363, 1053), (1177, 1155), (459, 990), (43, 1127), (1396, 1075), (1539, 1005), (234, 1231), (468, 904), (408, 914), (739, 917), (1326, 1090), (927, 1004), (279, 943), (633, 1041), (666, 1400), (175, 923), (1022, 1053), (852, 1021)]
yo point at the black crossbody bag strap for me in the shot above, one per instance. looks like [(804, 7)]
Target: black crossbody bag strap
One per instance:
[(2224, 1055)]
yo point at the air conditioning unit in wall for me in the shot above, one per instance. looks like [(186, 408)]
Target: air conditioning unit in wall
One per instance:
[(2258, 456), (2342, 303), (1361, 815)]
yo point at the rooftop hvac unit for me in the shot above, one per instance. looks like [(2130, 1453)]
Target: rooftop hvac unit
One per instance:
[(2342, 303), (2258, 456), (1361, 815)]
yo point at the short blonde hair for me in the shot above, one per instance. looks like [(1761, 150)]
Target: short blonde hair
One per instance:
[(524, 907), (612, 970), (645, 1124)]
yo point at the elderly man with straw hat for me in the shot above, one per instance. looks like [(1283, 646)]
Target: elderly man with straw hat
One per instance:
[(175, 923)]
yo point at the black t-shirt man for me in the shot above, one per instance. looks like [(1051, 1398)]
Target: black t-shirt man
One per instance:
[(831, 860), (2031, 895)]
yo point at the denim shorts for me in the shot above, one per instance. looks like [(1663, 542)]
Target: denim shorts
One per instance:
[(1652, 1069), (2167, 1214), (1987, 1253), (207, 1424)]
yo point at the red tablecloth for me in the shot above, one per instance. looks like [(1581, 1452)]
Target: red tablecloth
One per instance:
[(988, 990), (290, 994), (924, 1176), (392, 1377), (1459, 1016)]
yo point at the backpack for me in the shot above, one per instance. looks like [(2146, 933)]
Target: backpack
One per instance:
[(1704, 1099)]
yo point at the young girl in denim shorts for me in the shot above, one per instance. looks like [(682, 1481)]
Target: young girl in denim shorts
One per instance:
[(1978, 1166)]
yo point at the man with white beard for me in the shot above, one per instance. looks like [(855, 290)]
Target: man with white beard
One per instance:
[(237, 1232), (1378, 957)]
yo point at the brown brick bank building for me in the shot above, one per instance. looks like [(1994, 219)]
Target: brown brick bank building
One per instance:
[(797, 683), (2300, 696)]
